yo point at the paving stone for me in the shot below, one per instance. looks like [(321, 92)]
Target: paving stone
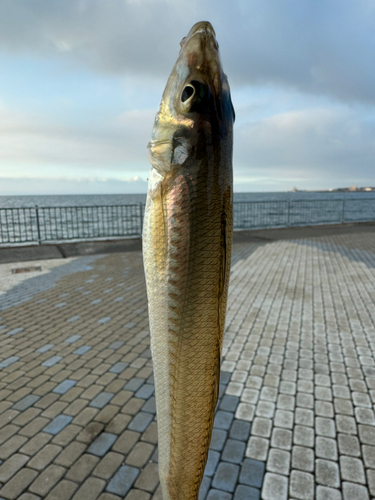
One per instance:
[(148, 479), (281, 438), (83, 350), (278, 461), (261, 427), (252, 473), (91, 488), (218, 439), (353, 491), (101, 400), (44, 457), (218, 495), (246, 493), (82, 468), (245, 411), (140, 422), (52, 361), (13, 488), (145, 391), (327, 473), (134, 384), (12, 466), (64, 386), (102, 444), (303, 458), (233, 451), (57, 424), (325, 427), (352, 470), (326, 448), (226, 477), (70, 454), (149, 406), (212, 461), (275, 487), (118, 368), (47, 480), (73, 338), (126, 441), (284, 419), (9, 361), (123, 480), (239, 430), (302, 485), (26, 402), (140, 454), (257, 448), (324, 493)]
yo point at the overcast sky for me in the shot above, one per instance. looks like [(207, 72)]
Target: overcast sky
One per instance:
[(81, 81)]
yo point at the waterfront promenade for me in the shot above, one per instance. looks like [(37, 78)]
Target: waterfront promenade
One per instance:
[(295, 418)]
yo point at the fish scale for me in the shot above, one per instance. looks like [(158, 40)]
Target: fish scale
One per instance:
[(187, 247)]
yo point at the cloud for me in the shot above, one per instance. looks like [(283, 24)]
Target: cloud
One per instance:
[(116, 144), (313, 147), (316, 47), (13, 186)]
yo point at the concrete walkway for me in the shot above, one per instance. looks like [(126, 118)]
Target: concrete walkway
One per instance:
[(296, 413)]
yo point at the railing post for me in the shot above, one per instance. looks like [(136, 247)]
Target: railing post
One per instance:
[(288, 219), (37, 224), (342, 210), (141, 217)]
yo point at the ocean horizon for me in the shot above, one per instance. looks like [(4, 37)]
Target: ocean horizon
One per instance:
[(22, 201)]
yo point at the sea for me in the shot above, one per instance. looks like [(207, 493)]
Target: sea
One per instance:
[(129, 199)]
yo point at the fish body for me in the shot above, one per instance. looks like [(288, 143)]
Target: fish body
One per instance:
[(187, 240)]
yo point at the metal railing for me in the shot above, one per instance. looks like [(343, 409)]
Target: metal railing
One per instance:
[(58, 224)]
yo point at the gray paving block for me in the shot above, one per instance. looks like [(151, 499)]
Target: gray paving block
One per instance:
[(218, 495), (82, 350), (123, 480), (134, 384), (229, 403), (73, 319), (145, 391), (45, 348), (223, 420), (212, 461), (102, 321), (218, 439), (64, 386), (102, 444), (246, 493), (26, 402), (15, 331), (101, 399), (149, 406), (252, 473), (225, 377), (240, 430), (118, 367), (324, 493), (9, 361), (352, 491), (203, 490), (116, 345), (52, 361), (140, 422), (73, 338), (57, 424), (233, 451), (226, 477)]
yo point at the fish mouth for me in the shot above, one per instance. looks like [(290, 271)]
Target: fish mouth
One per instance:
[(205, 30)]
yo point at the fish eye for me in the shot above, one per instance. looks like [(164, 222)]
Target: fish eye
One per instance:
[(188, 92)]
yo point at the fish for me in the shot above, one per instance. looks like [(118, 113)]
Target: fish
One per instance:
[(187, 239)]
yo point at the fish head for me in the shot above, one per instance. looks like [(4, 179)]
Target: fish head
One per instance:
[(195, 104)]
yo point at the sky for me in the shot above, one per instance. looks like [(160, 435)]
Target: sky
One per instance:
[(81, 81)]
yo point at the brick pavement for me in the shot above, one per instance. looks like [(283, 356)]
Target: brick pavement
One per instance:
[(295, 418)]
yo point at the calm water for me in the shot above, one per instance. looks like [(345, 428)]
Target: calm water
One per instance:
[(125, 199)]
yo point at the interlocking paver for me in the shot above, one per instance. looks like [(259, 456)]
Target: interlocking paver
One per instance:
[(297, 384)]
